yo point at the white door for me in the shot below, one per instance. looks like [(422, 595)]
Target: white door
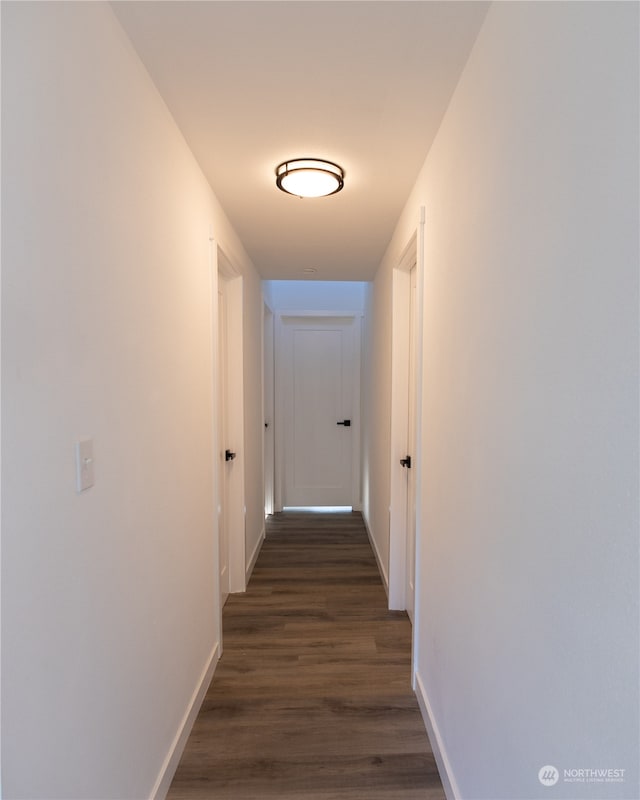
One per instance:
[(411, 449), (268, 406), (319, 372), (223, 532), (231, 434)]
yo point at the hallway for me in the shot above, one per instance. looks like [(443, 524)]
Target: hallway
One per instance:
[(311, 698), (493, 147)]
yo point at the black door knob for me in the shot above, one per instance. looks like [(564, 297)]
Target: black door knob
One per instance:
[(406, 462), (345, 422), (228, 455)]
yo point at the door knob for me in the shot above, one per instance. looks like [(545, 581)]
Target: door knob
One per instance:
[(228, 455), (406, 462), (345, 422)]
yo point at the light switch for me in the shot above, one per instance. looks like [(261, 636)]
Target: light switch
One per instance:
[(84, 465)]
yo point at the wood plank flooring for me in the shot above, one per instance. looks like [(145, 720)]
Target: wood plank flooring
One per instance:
[(311, 698)]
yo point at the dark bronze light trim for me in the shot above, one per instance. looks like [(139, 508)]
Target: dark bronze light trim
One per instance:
[(321, 165)]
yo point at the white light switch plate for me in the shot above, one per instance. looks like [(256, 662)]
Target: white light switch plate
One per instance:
[(84, 465)]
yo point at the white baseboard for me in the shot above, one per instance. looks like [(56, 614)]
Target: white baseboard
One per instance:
[(254, 556), (444, 766), (374, 547), (170, 764)]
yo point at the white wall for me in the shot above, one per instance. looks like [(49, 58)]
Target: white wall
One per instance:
[(314, 295), (109, 601), (253, 417), (527, 613), (376, 396)]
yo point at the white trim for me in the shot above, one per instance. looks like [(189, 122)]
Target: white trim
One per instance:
[(445, 769), (376, 553), (254, 556), (170, 764)]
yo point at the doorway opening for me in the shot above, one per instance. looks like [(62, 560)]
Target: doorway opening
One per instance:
[(230, 427), (268, 408), (317, 389), (405, 468)]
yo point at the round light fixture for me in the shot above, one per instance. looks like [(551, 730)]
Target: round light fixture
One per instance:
[(309, 177)]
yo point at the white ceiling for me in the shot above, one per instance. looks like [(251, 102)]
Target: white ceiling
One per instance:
[(363, 83)]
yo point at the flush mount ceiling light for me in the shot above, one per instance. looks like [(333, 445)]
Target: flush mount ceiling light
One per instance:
[(309, 177)]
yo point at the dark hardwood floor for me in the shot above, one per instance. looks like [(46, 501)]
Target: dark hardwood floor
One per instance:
[(311, 698)]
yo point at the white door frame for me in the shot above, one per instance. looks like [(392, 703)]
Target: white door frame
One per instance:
[(234, 511), (401, 298), (280, 422)]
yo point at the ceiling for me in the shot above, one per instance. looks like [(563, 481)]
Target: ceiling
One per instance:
[(364, 83)]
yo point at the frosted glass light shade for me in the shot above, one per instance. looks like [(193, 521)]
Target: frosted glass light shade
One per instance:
[(309, 177)]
